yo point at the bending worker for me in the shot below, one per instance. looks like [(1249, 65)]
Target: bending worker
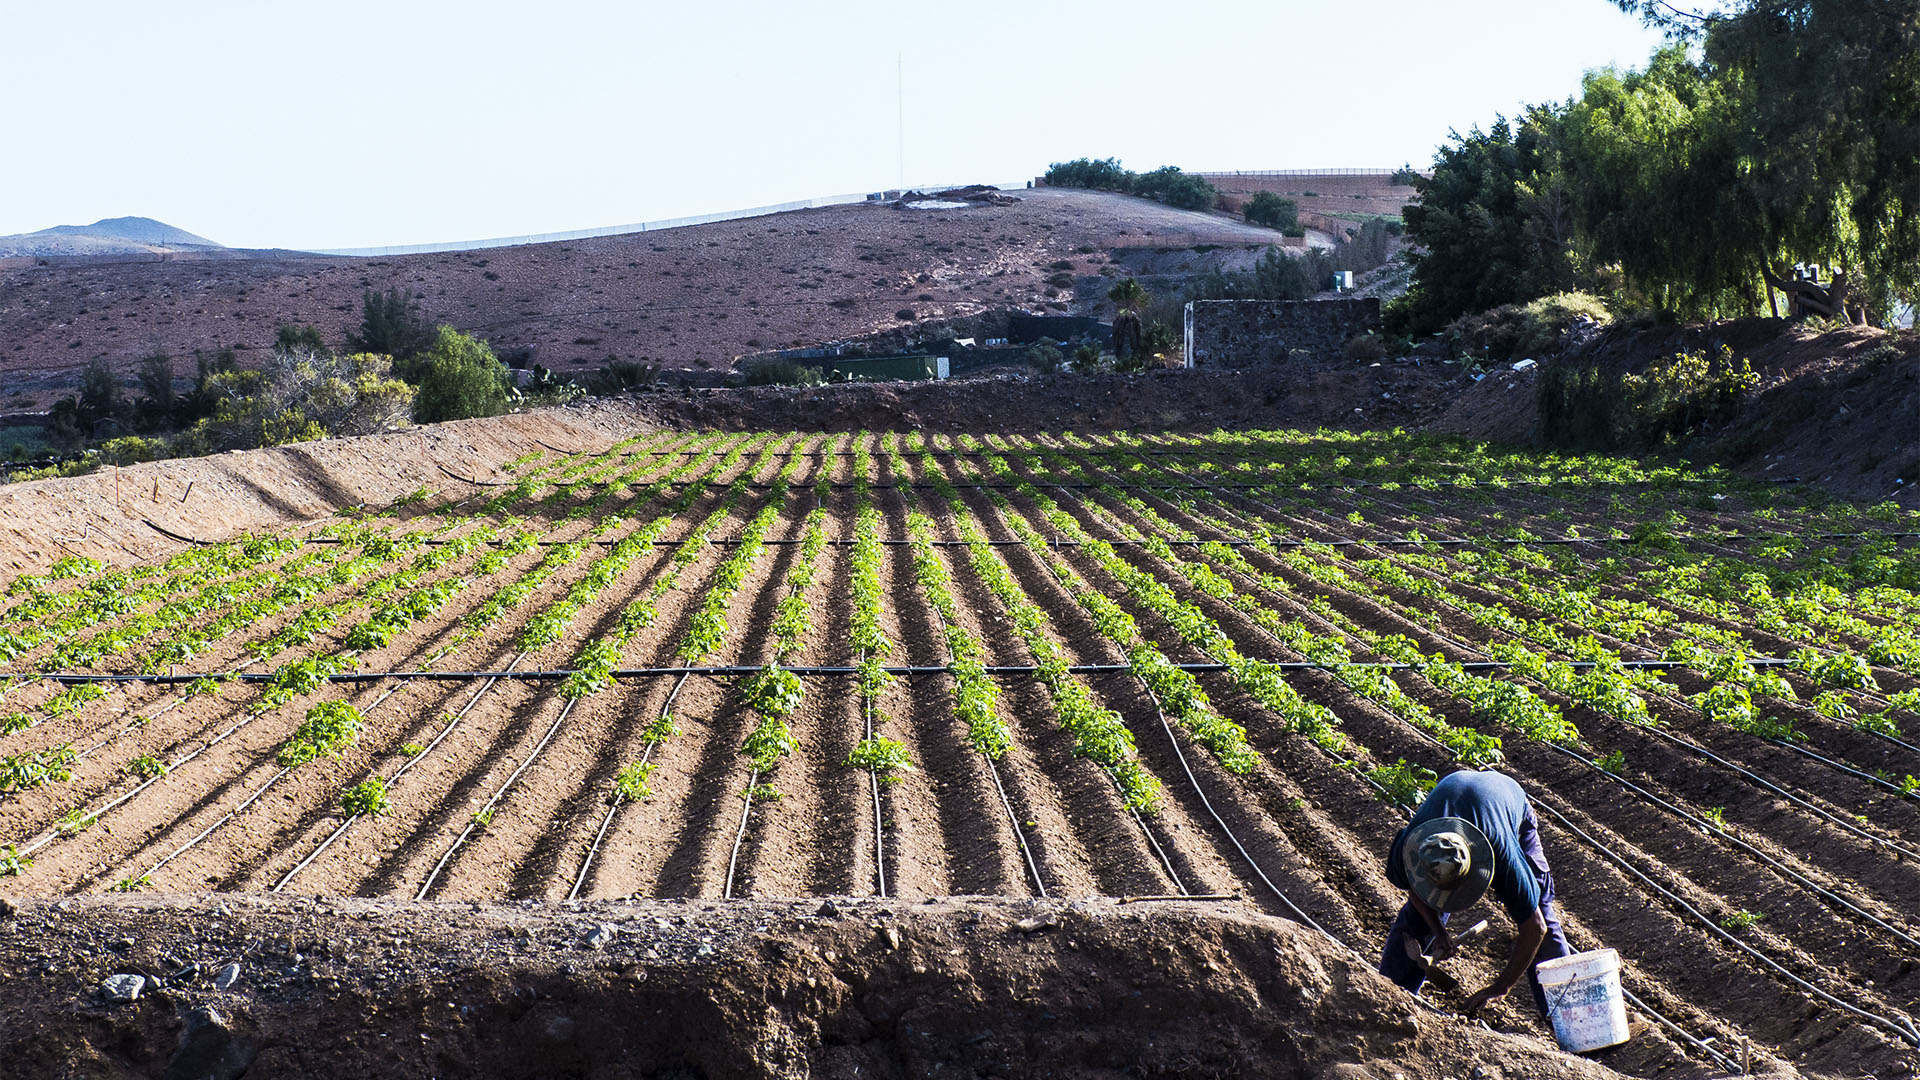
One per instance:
[(1474, 831)]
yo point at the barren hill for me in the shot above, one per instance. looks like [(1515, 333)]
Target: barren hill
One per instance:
[(685, 298), (108, 236)]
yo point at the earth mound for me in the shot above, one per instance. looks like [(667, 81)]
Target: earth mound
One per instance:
[(959, 987)]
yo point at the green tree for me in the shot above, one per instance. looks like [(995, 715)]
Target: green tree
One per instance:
[(1269, 209), (1825, 102), (1492, 226), (1650, 162), (391, 323), (157, 397), (100, 397), (459, 377)]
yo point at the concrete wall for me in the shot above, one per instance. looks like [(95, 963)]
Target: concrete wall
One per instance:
[(1243, 333)]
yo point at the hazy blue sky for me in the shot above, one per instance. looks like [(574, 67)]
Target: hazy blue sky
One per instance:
[(350, 123)]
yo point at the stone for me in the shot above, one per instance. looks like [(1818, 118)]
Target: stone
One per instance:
[(209, 1049), (7, 908), (828, 910), (123, 988), (227, 976), (1037, 923), (598, 937)]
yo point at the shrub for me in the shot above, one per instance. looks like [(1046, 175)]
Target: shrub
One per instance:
[(1585, 406), (457, 378), (1366, 348), (391, 323), (1045, 358), (1100, 175), (1688, 390), (780, 372), (131, 449), (1532, 329), (1274, 212), (615, 375)]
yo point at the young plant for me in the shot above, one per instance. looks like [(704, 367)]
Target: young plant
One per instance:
[(368, 797), (883, 757)]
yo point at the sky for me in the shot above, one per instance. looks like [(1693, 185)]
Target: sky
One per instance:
[(351, 123)]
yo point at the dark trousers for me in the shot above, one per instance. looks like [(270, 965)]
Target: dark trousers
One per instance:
[(1396, 965)]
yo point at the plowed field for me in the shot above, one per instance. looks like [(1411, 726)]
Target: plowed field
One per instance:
[(775, 665)]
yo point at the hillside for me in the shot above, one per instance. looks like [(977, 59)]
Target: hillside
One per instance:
[(108, 236), (690, 298)]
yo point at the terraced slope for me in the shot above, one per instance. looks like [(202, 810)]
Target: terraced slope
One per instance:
[(775, 664)]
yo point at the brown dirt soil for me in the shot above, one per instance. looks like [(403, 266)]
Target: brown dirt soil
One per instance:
[(954, 988)]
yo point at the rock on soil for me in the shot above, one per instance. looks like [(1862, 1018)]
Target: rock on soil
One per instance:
[(948, 988)]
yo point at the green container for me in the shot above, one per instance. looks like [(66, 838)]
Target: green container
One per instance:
[(883, 368)]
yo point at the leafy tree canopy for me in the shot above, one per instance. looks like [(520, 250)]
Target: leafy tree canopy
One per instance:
[(459, 377)]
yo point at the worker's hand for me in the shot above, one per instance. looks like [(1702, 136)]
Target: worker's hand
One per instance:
[(1441, 947), (1478, 1001)]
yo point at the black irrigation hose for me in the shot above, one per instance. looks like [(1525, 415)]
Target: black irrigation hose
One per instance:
[(1697, 1043), (241, 807), (475, 483), (1727, 834), (342, 828), (485, 812), (727, 671), (1903, 1027), (1767, 785), (586, 863), (1194, 781)]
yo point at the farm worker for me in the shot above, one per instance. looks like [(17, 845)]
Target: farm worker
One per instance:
[(1475, 831)]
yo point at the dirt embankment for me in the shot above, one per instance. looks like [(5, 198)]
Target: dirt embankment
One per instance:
[(953, 988), (1840, 408), (123, 515), (1309, 394)]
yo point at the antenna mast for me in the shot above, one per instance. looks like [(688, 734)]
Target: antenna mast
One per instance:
[(900, 105)]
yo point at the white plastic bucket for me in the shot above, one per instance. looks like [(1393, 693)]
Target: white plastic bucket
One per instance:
[(1584, 1000)]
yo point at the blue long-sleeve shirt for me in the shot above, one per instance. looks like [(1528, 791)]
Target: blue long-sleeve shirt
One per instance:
[(1496, 805)]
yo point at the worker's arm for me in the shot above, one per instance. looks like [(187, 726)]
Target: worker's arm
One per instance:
[(1526, 944), (1441, 945)]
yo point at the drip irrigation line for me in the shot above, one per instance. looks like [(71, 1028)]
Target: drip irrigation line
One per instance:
[(1765, 784), (1166, 861), (873, 780), (727, 671), (740, 836), (475, 483), (1846, 768), (1194, 782), (341, 829), (1804, 882), (586, 863), (1698, 1044), (486, 810), (54, 833), (285, 771), (1902, 1027), (1013, 821)]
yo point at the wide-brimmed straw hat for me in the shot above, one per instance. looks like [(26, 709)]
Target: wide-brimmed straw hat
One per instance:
[(1448, 863)]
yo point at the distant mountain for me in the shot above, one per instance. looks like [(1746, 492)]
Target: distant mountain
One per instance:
[(109, 236)]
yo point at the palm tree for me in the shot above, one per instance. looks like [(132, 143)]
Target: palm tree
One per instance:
[(1130, 298)]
